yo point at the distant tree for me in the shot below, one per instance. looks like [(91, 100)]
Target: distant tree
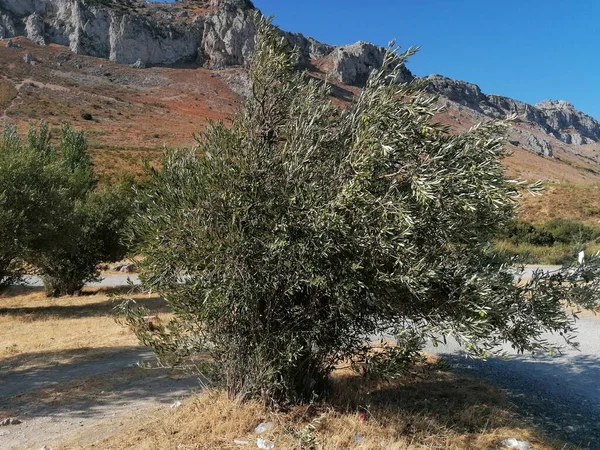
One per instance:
[(30, 198), (284, 242), (53, 215)]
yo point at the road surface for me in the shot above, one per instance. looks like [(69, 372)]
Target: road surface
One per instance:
[(108, 280), (115, 280), (560, 394)]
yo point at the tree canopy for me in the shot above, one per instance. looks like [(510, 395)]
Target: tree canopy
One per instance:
[(287, 241), (53, 216)]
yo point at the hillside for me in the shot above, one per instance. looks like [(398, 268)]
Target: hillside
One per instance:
[(138, 77)]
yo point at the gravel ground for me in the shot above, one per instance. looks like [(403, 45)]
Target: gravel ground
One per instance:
[(560, 394), (109, 280)]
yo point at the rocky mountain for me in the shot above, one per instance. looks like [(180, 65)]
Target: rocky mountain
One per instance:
[(219, 34), (558, 119), (213, 33)]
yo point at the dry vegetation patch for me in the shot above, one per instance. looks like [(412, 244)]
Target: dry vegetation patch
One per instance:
[(577, 202), (436, 411), (35, 329), (7, 94)]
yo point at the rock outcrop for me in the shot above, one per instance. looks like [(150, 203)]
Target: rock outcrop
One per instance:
[(572, 126), (309, 49), (228, 38), (352, 64), (34, 28), (558, 119), (7, 26)]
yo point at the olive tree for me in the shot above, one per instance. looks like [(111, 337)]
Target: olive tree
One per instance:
[(287, 241), (31, 199), (53, 216)]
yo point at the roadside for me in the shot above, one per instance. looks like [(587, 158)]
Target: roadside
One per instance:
[(66, 367), (559, 394), (88, 401)]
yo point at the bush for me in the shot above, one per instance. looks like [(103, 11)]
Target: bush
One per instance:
[(285, 242), (55, 218), (569, 232), (556, 241), (31, 201)]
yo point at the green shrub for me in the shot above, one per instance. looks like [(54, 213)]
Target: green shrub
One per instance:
[(569, 232), (557, 241), (287, 240), (51, 214)]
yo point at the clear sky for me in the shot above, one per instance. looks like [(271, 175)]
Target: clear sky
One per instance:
[(530, 50)]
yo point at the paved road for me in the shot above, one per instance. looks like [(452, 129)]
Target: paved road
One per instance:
[(109, 280), (560, 394)]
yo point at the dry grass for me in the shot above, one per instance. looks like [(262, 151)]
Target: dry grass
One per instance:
[(438, 411), (577, 202), (7, 94), (35, 329)]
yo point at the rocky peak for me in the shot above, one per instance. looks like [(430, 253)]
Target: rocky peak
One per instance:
[(555, 105), (558, 119)]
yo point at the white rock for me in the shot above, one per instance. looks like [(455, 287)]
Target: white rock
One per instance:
[(35, 27), (264, 444), (516, 444), (263, 427)]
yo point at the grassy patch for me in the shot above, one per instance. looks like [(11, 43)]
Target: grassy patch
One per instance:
[(537, 254), (556, 241), (35, 330)]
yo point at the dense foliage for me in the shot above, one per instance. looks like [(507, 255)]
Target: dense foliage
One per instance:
[(51, 214), (286, 241)]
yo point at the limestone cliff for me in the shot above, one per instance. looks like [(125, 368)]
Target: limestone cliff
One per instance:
[(220, 34)]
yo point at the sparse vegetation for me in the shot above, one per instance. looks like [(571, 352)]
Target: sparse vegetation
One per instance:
[(438, 410), (575, 202), (282, 242)]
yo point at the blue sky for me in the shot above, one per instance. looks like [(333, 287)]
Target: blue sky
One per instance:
[(530, 50)]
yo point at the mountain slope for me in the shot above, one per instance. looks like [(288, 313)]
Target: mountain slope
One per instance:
[(150, 75)]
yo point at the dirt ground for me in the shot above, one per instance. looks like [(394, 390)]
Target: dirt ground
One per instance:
[(67, 368), (76, 379)]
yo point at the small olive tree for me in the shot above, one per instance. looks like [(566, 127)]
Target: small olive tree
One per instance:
[(285, 242), (52, 214), (31, 199)]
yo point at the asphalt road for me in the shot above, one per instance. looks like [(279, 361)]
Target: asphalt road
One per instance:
[(114, 280), (109, 280), (560, 393)]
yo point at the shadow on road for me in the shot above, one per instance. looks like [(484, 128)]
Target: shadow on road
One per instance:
[(559, 394), (18, 375)]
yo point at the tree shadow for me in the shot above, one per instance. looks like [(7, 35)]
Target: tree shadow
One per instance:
[(560, 395), (155, 304), (29, 371), (435, 397), (92, 388)]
